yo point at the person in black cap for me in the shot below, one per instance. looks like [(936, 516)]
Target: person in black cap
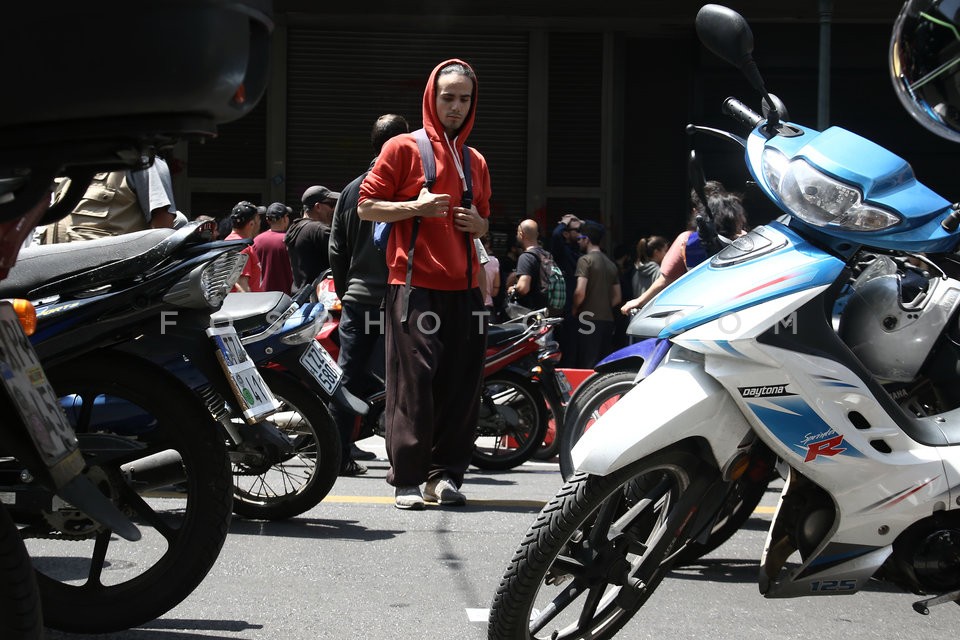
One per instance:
[(308, 238), (245, 219), (272, 251)]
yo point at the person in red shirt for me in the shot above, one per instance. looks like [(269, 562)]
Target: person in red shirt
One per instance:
[(272, 251), (436, 327), (245, 219)]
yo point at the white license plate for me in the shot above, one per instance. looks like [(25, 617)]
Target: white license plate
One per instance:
[(322, 367), (27, 385), (251, 391)]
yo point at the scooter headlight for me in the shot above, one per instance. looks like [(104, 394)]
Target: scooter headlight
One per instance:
[(209, 283), (309, 330), (219, 276), (819, 199)]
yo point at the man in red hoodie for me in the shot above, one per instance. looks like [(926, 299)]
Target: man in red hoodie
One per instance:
[(436, 327)]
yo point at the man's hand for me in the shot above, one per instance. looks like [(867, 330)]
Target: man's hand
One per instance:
[(469, 220), (433, 205)]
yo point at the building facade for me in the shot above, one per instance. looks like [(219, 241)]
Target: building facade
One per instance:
[(582, 106)]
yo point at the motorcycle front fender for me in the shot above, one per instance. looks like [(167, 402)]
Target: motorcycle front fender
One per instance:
[(679, 401)]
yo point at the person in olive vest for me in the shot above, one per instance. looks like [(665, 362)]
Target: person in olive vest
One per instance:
[(119, 202)]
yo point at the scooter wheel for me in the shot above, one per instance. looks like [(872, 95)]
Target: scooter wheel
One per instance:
[(511, 424), (128, 413), (606, 539), (297, 483)]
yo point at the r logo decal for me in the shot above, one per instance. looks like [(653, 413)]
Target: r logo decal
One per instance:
[(829, 447)]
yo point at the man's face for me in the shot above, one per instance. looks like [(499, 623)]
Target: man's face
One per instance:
[(573, 233), (325, 211), (454, 97)]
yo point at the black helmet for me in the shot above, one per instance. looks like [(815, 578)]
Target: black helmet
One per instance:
[(925, 64)]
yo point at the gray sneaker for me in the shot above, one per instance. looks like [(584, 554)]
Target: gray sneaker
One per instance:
[(443, 491), (408, 498)]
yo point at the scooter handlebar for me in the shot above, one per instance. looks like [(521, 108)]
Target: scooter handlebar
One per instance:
[(741, 112)]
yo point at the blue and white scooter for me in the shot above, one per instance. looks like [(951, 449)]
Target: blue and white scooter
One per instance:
[(756, 364)]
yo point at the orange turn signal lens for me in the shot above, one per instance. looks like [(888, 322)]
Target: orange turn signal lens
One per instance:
[(26, 314), (736, 468)]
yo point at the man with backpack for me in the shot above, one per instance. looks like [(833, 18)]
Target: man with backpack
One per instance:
[(540, 282), (435, 326), (360, 279), (529, 288)]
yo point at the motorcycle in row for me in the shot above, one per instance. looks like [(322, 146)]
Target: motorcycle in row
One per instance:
[(140, 429), (64, 480), (825, 340), (522, 386)]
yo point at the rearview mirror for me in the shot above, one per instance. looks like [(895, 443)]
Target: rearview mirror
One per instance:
[(726, 34)]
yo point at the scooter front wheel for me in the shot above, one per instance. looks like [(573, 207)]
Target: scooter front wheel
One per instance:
[(512, 422), (299, 482), (152, 447), (597, 551)]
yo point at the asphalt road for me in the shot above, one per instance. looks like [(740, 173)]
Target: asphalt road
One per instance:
[(354, 567)]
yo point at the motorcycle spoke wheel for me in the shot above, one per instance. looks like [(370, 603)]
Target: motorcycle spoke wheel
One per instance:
[(596, 553), (592, 399), (126, 411), (299, 482), (511, 425)]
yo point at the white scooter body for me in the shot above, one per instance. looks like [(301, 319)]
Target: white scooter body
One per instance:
[(719, 382)]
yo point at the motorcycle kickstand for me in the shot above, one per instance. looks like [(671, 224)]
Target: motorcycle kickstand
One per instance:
[(923, 606)]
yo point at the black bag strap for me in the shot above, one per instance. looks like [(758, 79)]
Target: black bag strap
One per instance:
[(429, 163), (466, 201)]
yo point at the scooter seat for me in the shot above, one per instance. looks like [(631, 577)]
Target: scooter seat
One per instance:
[(503, 333), (251, 312), (45, 264)]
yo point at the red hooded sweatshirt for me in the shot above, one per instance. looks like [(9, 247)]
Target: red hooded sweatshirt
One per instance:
[(440, 259)]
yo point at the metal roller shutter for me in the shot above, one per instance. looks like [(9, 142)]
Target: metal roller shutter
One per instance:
[(332, 104)]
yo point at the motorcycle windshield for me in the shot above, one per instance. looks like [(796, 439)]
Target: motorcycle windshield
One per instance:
[(770, 262)]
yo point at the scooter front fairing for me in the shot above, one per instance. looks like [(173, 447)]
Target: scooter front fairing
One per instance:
[(715, 310)]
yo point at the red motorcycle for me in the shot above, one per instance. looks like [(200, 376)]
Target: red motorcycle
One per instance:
[(522, 387)]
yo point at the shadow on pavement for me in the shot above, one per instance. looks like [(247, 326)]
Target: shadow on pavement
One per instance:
[(310, 528), (745, 571), (166, 629)]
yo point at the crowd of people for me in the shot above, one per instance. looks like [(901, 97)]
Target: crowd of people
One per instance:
[(412, 309)]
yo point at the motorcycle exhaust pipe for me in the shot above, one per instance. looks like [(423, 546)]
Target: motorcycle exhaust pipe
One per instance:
[(161, 469)]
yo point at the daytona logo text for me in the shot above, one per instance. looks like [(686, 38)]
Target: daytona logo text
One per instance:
[(764, 392)]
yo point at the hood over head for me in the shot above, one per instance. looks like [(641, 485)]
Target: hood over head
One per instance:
[(431, 119)]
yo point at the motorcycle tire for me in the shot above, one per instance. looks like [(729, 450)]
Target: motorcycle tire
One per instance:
[(507, 396), (295, 485), (597, 394), (20, 612), (124, 411), (593, 397), (605, 539)]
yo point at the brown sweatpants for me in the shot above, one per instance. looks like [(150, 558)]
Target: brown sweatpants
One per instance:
[(434, 374)]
